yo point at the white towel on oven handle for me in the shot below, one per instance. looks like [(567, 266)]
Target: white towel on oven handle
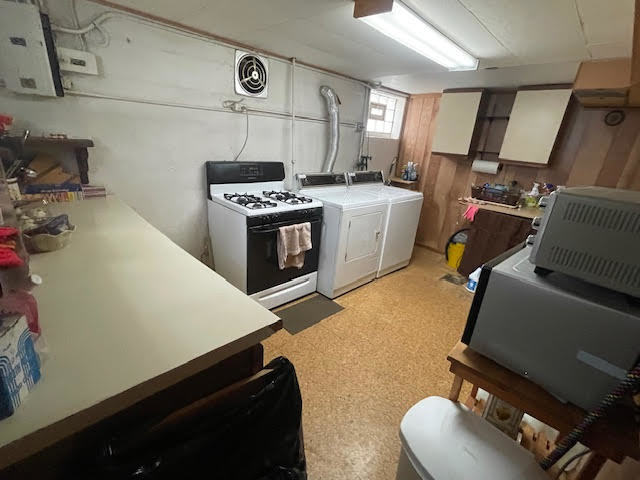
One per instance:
[(293, 242)]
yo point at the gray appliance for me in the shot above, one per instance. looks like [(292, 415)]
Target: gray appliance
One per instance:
[(573, 338), (592, 233)]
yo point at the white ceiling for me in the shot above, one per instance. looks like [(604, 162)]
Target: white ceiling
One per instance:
[(512, 35)]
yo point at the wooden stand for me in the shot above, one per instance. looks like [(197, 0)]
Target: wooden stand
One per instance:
[(614, 438)]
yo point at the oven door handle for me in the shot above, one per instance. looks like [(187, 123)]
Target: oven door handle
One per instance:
[(272, 230)]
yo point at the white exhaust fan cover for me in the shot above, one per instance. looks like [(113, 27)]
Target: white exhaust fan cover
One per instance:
[(251, 75)]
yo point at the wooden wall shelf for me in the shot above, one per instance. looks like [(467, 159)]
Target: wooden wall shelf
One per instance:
[(79, 147), (402, 180), (66, 142), (50, 141)]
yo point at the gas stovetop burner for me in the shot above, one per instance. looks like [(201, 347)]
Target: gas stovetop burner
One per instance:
[(250, 201), (287, 197)]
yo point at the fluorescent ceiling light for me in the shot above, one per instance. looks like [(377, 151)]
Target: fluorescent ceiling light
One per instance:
[(405, 27)]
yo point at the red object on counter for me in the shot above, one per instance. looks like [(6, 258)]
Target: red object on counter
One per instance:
[(22, 303), (6, 232), (8, 257), (5, 121)]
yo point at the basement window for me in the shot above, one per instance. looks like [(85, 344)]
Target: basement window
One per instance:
[(377, 111), (385, 115)]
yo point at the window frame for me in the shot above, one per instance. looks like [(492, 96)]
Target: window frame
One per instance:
[(399, 104), (377, 106)]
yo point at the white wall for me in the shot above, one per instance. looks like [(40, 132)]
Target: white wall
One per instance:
[(152, 156)]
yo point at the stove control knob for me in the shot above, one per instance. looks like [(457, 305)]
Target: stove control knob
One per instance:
[(543, 202), (536, 222)]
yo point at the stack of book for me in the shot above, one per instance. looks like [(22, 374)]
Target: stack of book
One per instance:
[(92, 191), (62, 192)]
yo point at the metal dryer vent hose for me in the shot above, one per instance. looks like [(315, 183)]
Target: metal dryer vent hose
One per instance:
[(331, 97)]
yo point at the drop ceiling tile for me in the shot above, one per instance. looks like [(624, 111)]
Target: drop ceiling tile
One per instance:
[(610, 50), (607, 22), (341, 32), (510, 77), (540, 31), (461, 26)]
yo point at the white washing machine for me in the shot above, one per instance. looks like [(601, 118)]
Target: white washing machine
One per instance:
[(352, 232), (403, 215)]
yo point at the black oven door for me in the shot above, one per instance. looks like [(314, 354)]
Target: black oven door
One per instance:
[(263, 271)]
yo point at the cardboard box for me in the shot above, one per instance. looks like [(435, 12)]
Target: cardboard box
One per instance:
[(604, 83), (19, 363)]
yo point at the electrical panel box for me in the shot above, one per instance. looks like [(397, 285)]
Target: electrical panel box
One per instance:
[(77, 61), (28, 61)]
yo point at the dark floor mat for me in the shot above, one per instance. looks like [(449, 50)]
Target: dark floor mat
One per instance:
[(307, 313), (454, 278)]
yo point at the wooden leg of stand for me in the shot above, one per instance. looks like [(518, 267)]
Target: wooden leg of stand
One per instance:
[(456, 386), (591, 469), (474, 391)]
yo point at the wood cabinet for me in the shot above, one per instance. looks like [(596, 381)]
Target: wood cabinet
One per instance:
[(603, 83), (533, 125), (456, 128), (492, 234)]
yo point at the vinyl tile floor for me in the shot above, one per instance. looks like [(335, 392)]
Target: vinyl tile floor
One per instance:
[(361, 369)]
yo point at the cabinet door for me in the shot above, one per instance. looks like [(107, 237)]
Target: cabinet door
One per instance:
[(456, 122), (363, 236), (534, 124)]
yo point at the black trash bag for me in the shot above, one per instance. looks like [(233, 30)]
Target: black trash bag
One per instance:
[(260, 439)]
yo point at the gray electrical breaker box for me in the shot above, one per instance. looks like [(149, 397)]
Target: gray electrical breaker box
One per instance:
[(28, 61)]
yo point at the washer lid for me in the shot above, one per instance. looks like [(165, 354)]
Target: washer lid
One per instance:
[(444, 439), (346, 198), (392, 193)]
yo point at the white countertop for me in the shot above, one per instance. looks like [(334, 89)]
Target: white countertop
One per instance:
[(119, 307)]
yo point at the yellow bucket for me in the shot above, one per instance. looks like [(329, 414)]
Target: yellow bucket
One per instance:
[(454, 254)]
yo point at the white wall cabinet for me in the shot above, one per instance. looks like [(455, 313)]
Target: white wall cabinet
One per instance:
[(456, 122), (533, 125)]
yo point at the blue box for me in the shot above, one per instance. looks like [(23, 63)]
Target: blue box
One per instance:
[(19, 363)]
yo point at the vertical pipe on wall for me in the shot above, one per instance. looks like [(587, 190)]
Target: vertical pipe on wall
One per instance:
[(365, 118), (293, 124)]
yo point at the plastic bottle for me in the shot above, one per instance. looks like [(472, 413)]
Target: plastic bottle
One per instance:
[(472, 283)]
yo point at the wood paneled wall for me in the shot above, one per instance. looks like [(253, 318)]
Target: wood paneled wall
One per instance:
[(415, 146), (588, 152)]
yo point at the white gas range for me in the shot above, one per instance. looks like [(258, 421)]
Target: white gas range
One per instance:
[(247, 205)]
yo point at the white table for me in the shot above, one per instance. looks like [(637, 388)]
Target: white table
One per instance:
[(126, 313)]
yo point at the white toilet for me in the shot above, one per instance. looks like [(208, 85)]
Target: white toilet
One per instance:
[(443, 440)]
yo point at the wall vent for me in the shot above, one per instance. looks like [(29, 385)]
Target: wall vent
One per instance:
[(612, 219), (594, 266), (251, 75)]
